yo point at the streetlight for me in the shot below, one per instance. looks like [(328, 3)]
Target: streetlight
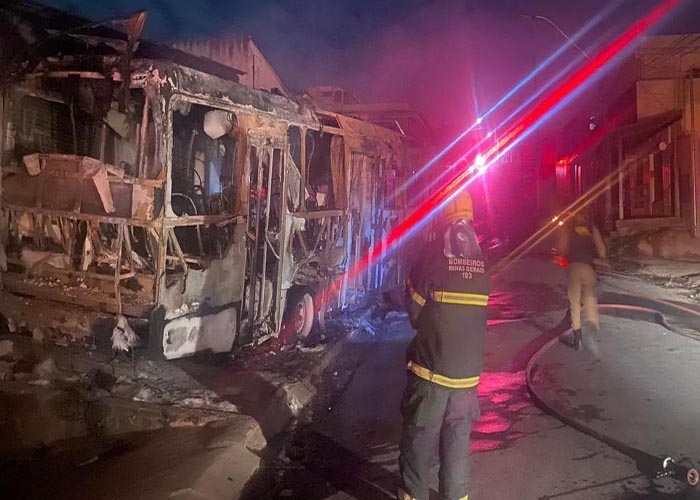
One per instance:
[(561, 32), (575, 45), (583, 52)]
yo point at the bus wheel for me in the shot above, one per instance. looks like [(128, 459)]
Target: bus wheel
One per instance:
[(299, 314)]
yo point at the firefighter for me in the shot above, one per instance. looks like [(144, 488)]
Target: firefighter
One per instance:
[(580, 242), (448, 291)]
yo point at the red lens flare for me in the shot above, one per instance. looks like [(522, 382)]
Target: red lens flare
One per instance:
[(530, 121)]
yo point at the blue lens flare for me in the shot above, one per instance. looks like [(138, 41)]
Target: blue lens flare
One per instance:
[(508, 96)]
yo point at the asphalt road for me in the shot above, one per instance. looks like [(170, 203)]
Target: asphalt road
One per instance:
[(350, 451)]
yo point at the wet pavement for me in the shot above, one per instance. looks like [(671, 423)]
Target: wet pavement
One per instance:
[(351, 449), (634, 385), (186, 463), (151, 445)]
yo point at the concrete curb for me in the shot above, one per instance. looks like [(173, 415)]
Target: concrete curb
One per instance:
[(648, 464), (72, 414), (231, 444), (36, 416)]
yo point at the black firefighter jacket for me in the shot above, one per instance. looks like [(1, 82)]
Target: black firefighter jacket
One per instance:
[(447, 307)]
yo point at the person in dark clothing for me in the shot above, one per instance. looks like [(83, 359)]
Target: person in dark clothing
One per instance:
[(448, 291), (581, 244)]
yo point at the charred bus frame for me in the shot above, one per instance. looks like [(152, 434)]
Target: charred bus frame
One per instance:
[(198, 206)]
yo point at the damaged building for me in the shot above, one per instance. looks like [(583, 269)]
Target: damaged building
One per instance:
[(142, 181)]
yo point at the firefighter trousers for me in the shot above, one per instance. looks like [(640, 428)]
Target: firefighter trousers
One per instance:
[(582, 291), (436, 418)]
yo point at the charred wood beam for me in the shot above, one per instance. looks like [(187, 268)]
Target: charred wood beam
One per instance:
[(118, 174), (198, 220), (320, 214), (81, 216), (89, 75), (103, 141), (199, 261), (302, 167), (324, 226), (177, 249), (118, 267), (268, 199), (83, 274), (129, 251), (302, 243), (85, 298), (141, 148)]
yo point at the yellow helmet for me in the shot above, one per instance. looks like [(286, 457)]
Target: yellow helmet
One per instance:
[(459, 207)]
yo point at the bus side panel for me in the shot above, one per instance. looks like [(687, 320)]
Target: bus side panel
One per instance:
[(199, 309), (190, 334)]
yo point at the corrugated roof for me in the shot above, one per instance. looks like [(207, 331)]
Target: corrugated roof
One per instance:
[(30, 32)]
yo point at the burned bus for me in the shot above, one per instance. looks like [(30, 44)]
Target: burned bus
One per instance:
[(207, 213)]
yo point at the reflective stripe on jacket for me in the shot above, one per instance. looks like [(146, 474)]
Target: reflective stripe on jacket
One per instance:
[(448, 299)]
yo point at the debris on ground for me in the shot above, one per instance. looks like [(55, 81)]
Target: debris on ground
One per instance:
[(369, 327), (46, 369), (678, 275), (146, 395), (38, 335), (155, 393), (11, 325), (210, 402), (124, 338), (317, 348), (6, 348), (6, 370), (673, 243), (102, 380)]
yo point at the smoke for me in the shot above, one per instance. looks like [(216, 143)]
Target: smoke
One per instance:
[(450, 59), (427, 54)]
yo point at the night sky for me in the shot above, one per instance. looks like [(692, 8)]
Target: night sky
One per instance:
[(436, 55)]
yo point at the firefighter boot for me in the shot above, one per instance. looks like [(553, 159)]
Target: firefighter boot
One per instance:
[(577, 340), (567, 338)]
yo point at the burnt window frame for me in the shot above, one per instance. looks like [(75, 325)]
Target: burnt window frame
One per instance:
[(217, 222)]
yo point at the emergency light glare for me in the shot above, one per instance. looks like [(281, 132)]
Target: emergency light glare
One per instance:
[(490, 134), (593, 22), (531, 120)]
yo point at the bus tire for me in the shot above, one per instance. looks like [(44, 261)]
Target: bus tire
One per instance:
[(299, 313)]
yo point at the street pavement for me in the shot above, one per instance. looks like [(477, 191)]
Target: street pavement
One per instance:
[(630, 373), (188, 463), (636, 384), (519, 452)]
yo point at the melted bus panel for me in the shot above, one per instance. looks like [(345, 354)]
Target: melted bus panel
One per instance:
[(207, 213)]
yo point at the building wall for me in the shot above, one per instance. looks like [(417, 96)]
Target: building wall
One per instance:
[(653, 81), (241, 54), (666, 64), (668, 56), (657, 96), (661, 96)]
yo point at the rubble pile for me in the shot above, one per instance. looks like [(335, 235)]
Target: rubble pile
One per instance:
[(670, 243)]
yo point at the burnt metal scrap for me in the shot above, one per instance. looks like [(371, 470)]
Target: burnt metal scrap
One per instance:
[(211, 212)]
